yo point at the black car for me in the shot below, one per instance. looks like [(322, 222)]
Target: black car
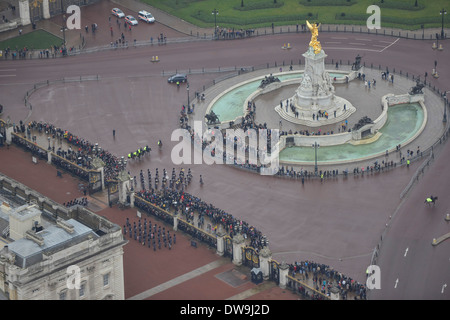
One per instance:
[(177, 78)]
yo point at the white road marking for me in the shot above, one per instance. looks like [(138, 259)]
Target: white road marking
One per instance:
[(7, 75), (406, 252), (341, 48), (443, 287), (396, 282), (390, 44), (362, 44)]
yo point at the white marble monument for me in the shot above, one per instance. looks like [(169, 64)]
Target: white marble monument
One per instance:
[(316, 94)]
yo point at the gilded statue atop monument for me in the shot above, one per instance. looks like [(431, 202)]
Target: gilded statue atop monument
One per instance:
[(314, 43)]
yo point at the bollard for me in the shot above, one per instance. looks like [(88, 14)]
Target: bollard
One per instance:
[(447, 217)]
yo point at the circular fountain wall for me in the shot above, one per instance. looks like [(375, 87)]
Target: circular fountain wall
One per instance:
[(399, 122)]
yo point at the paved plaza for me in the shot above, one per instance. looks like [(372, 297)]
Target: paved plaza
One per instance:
[(337, 222)]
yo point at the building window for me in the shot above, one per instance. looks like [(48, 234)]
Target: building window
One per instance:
[(82, 290), (63, 295), (106, 279)]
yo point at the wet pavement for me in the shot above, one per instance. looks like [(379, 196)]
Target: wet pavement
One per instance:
[(337, 222)]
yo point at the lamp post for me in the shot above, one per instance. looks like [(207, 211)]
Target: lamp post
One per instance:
[(215, 13), (444, 119), (187, 89), (315, 146), (63, 23), (442, 13)]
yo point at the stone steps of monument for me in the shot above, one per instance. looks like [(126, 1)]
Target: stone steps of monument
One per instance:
[(310, 122)]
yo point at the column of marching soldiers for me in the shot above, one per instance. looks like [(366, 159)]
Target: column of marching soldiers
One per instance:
[(179, 182), (154, 235), (157, 237)]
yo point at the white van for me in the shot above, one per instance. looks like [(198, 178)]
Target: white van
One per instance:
[(146, 16)]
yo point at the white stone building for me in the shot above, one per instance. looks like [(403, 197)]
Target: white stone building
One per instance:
[(47, 257)]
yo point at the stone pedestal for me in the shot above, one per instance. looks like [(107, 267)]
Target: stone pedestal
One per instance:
[(314, 96), (316, 90), (284, 271), (238, 244), (220, 243), (24, 11), (124, 186), (9, 129), (99, 166), (334, 293), (175, 223), (132, 200), (265, 256), (46, 9)]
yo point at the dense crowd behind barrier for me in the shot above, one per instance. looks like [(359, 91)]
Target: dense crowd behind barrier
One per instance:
[(186, 205), (325, 278), (240, 145), (35, 150), (68, 167), (80, 152)]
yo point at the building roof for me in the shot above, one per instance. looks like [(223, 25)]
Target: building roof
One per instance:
[(25, 212), (55, 239)]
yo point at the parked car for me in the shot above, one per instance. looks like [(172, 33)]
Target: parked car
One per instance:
[(146, 16), (118, 13), (179, 77), (131, 20)]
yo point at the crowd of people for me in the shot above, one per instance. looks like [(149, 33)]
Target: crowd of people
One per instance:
[(187, 205), (324, 278), (76, 202), (80, 151), (224, 33), (17, 53), (27, 52), (35, 150)]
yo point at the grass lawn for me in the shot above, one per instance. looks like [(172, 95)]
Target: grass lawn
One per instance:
[(38, 39), (404, 14)]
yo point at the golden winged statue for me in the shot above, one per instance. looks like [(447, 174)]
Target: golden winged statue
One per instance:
[(314, 43)]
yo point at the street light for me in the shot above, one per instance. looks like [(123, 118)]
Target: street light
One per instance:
[(315, 146), (442, 13), (187, 89), (215, 13), (445, 107), (64, 23)]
